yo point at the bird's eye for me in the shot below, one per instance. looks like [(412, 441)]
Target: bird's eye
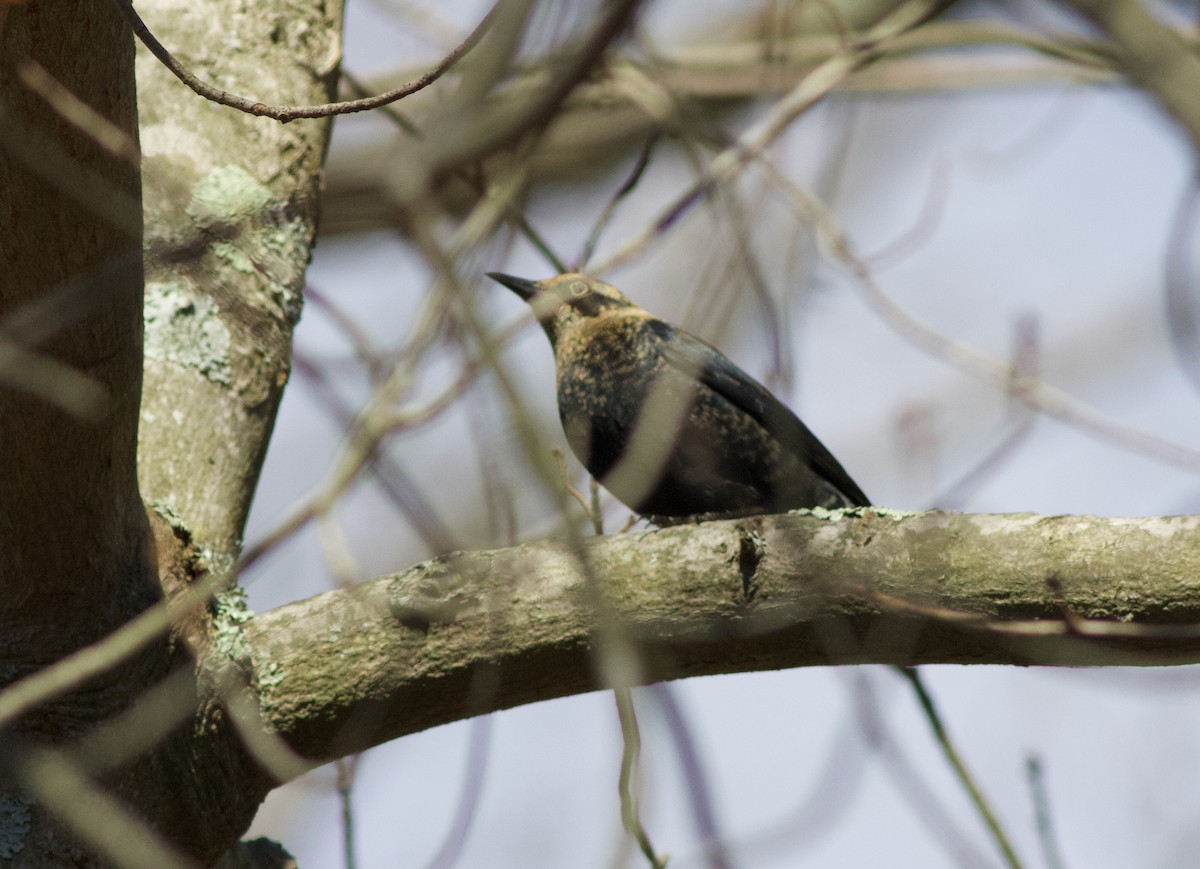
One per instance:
[(578, 288)]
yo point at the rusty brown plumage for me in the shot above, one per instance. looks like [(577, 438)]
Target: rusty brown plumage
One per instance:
[(665, 421)]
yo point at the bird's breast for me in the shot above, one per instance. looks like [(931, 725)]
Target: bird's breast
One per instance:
[(604, 370)]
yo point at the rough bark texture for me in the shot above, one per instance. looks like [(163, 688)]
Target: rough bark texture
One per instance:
[(72, 530), (231, 210), (229, 233), (75, 556), (487, 630)]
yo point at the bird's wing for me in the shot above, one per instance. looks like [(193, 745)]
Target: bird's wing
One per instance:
[(699, 359)]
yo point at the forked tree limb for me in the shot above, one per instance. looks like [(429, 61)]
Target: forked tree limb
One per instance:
[(478, 631)]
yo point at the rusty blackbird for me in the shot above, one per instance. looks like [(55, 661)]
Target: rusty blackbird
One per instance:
[(665, 421)]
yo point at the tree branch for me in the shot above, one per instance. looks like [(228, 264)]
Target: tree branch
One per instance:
[(1156, 57), (287, 113), (228, 235), (73, 533), (349, 669)]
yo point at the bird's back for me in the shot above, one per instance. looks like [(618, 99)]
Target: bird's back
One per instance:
[(674, 429)]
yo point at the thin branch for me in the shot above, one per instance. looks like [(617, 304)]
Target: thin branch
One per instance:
[(285, 113), (918, 796), (627, 784), (73, 670), (364, 348), (44, 157), (590, 506), (498, 131), (347, 767), (1025, 371), (814, 86), (474, 180), (960, 769), (397, 483), (933, 208), (55, 382), (472, 788), (79, 114), (1041, 808), (1037, 395), (1153, 55), (1181, 273), (627, 187), (698, 791), (150, 719)]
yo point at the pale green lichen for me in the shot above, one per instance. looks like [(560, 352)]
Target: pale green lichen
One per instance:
[(168, 513), (226, 195), (230, 614), (233, 257), (837, 513), (898, 515), (267, 672), (185, 328), (288, 244), (270, 240), (829, 514)]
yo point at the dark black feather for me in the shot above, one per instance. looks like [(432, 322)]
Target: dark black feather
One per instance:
[(665, 421), (713, 368)]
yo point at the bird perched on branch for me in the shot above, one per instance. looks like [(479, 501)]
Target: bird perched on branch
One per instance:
[(667, 423)]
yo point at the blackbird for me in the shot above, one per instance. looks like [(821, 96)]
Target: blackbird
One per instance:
[(664, 421)]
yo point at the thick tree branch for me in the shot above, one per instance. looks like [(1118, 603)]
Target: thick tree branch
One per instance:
[(74, 539), (72, 530), (229, 229), (488, 630)]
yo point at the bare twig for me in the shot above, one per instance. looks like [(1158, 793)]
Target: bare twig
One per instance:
[(960, 768), (79, 114), (573, 491), (56, 382), (1179, 280), (286, 113), (346, 768), (751, 145), (468, 803), (364, 348), (397, 483), (25, 694), (596, 511), (627, 784), (1070, 623), (534, 113), (1024, 373), (1041, 809), (1037, 395), (627, 187), (1153, 55), (933, 206), (919, 796), (698, 791), (45, 157)]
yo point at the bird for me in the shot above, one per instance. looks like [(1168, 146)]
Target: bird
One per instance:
[(665, 421)]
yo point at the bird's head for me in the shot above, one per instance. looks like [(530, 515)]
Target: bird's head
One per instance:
[(565, 300)]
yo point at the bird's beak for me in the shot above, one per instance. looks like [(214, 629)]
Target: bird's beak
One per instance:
[(523, 287)]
